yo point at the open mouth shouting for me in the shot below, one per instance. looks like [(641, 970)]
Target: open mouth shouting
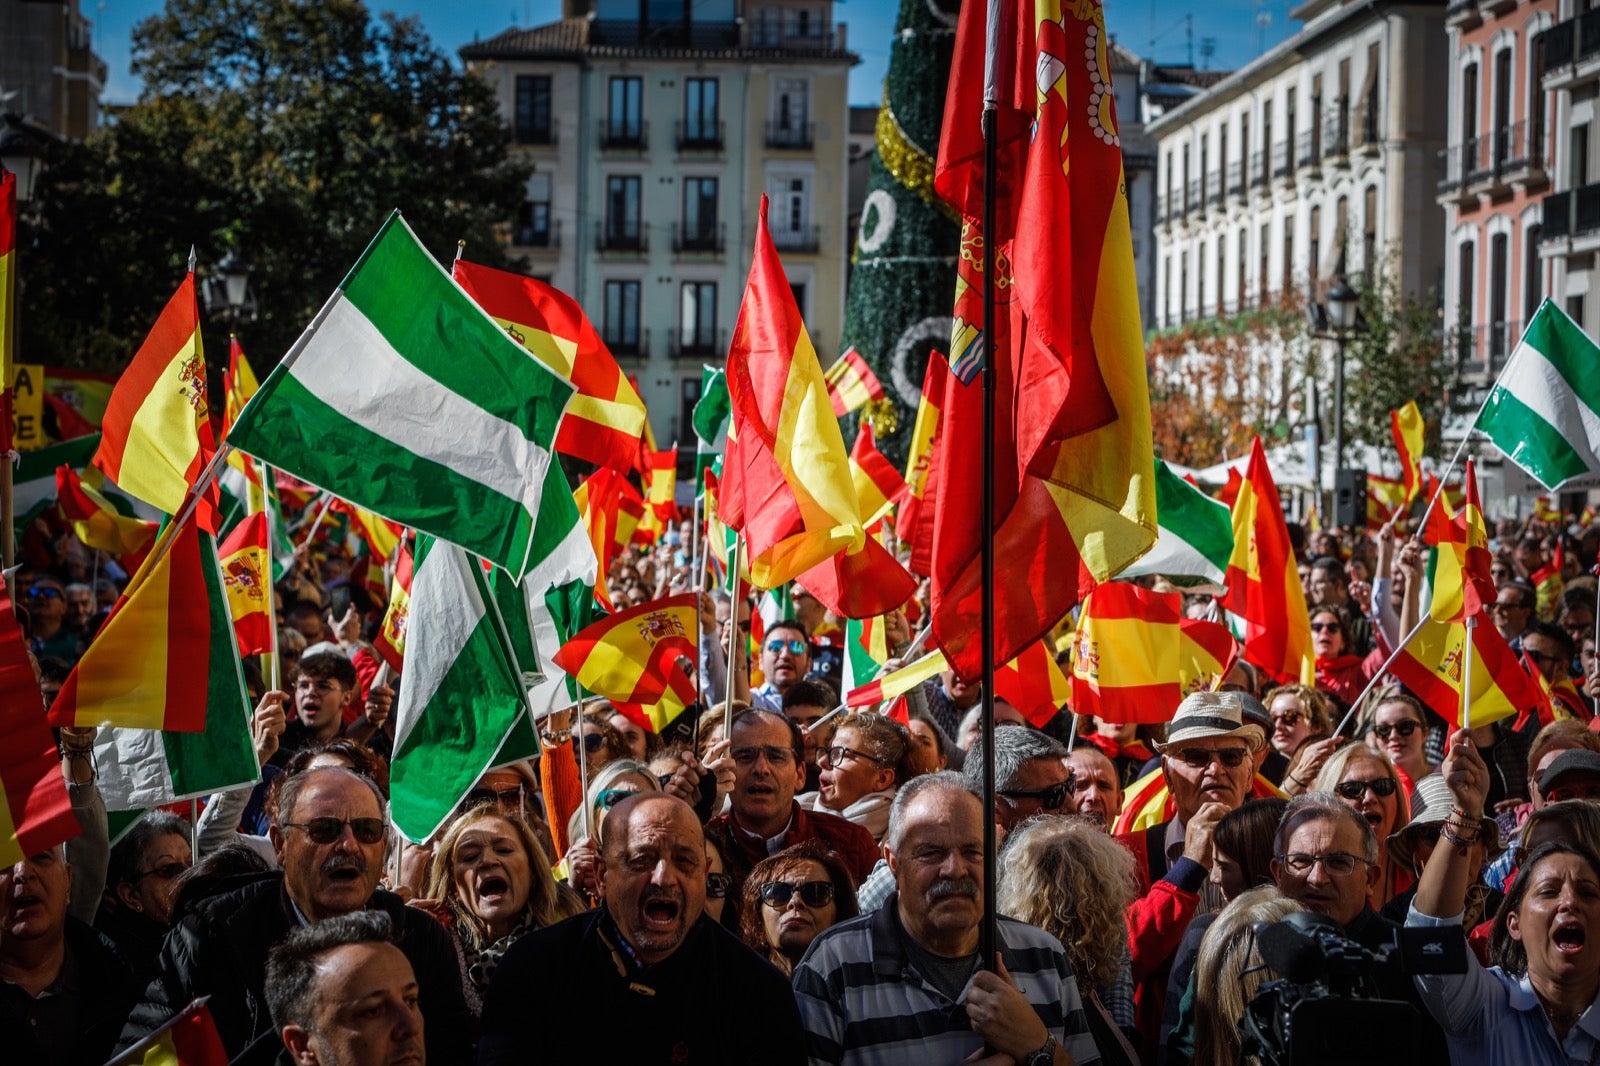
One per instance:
[(1569, 937), (493, 890), (660, 915)]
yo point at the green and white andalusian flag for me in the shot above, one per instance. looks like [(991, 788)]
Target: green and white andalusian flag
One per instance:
[(33, 485), (1544, 412), (464, 690), (1196, 536), (710, 419), (404, 397)]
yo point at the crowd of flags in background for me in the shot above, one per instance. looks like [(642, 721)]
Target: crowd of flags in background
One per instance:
[(421, 415)]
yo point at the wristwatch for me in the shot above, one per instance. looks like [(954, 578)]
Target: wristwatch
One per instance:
[(1045, 1055)]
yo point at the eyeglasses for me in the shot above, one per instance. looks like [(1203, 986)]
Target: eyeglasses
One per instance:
[(506, 797), (717, 885), (1336, 863), (794, 647), (592, 742), (777, 894), (1542, 658), (776, 756), (44, 592), (1324, 627), (167, 871), (1382, 787), (613, 796), (1505, 605), (327, 830), (838, 755), (1405, 728), (1288, 719), (1200, 758), (1051, 799)]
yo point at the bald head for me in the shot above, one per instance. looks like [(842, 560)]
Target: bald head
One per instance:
[(654, 808), (653, 872)]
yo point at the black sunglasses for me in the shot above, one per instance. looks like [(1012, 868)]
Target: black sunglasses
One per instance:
[(592, 742), (717, 885), (44, 592), (327, 830), (1051, 799), (777, 894), (1382, 787), (1405, 728), (1199, 758)]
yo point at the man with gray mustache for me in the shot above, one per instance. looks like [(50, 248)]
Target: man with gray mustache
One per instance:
[(330, 836), (902, 985)]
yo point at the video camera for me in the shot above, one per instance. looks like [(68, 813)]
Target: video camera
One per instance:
[(1334, 1001)]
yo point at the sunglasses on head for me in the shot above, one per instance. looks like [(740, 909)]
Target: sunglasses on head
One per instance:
[(613, 796), (777, 894), (1051, 799), (1382, 787), (327, 830), (1199, 758), (793, 647), (1405, 728)]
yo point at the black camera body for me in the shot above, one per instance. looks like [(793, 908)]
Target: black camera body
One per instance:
[(1328, 1007)]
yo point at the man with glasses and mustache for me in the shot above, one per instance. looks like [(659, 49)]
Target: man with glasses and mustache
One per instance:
[(763, 818), (902, 983), (330, 837), (1208, 763)]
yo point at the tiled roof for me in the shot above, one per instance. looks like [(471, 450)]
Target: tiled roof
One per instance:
[(570, 39)]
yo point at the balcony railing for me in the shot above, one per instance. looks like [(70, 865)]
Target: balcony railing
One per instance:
[(801, 239), (1161, 208), (1194, 201), (703, 238), (1236, 178), (624, 134), (1369, 126), (1258, 169), (1512, 153), (791, 33), (1214, 187), (1308, 150), (666, 33), (799, 136), (1280, 159), (698, 344), (536, 237), (1483, 347), (632, 344), (616, 237), (1336, 135), (698, 136), (1567, 42), (1571, 213)]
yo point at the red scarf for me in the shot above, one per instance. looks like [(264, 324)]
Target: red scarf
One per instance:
[(1135, 750)]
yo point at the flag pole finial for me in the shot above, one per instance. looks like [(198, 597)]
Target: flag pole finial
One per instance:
[(193, 258), (461, 249)]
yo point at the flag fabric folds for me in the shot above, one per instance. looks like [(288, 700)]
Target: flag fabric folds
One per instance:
[(1263, 582), (1409, 433), (156, 436), (851, 383), (190, 1038), (167, 655), (96, 521), (1034, 684), (878, 484), (1196, 537), (913, 522), (463, 692), (710, 420), (606, 417), (35, 811), (405, 397), (1544, 411), (928, 665), (33, 485), (1548, 584), (633, 659), (1135, 656), (786, 484), (246, 569), (390, 643), (1386, 497)]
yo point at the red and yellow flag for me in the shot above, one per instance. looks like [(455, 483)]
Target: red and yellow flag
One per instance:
[(606, 418), (382, 536), (1546, 511), (913, 523), (189, 1039), (8, 301), (390, 643), (1385, 498), (96, 522), (1548, 582), (1462, 584), (878, 484), (1034, 684), (635, 659), (611, 509), (167, 652), (1409, 434), (1148, 801), (35, 811), (1552, 701), (888, 686), (238, 385), (246, 566), (851, 383), (1263, 581), (785, 477), (1135, 656), (156, 436)]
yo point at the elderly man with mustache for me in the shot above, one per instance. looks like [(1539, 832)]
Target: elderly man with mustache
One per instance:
[(330, 836), (902, 983)]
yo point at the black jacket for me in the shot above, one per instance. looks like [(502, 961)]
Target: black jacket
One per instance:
[(105, 991), (218, 947), (712, 1001)]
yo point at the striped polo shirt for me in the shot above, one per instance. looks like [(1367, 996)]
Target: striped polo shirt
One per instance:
[(863, 1003)]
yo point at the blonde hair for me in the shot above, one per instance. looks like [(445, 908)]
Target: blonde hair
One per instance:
[(1314, 704), (1072, 880), (544, 904), (1333, 772), (1222, 985)]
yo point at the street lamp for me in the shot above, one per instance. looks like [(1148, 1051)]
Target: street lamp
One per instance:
[(1342, 320), (227, 290)]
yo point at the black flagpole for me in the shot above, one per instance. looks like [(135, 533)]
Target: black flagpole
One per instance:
[(986, 932)]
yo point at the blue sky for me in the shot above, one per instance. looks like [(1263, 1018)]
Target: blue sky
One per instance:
[(1230, 26)]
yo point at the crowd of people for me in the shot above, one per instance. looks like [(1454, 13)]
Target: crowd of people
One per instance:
[(773, 879)]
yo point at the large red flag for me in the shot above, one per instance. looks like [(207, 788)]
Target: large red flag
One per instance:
[(1263, 580)]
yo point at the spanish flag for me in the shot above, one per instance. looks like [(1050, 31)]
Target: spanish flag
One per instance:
[(382, 536), (1148, 801), (156, 436), (1385, 498), (878, 484), (786, 478), (606, 418), (929, 665), (390, 643), (1546, 511), (189, 1039), (35, 812), (1409, 434), (1263, 581), (634, 659), (611, 509), (245, 568), (238, 385), (1135, 656), (8, 301), (1548, 583), (851, 383), (913, 523), (96, 521), (1034, 684), (168, 651)]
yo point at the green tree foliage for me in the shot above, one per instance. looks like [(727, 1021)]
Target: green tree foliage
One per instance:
[(286, 129), (1399, 357)]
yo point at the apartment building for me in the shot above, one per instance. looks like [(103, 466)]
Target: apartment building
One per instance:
[(1325, 146), (49, 72), (1494, 175), (1569, 232), (653, 135)]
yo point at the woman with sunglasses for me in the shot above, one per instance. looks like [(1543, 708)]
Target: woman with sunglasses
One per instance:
[(1367, 782), (490, 884), (790, 898), (1400, 731), (1297, 712), (1340, 673)]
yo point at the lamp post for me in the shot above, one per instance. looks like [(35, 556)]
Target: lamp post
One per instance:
[(227, 290), (1341, 309)]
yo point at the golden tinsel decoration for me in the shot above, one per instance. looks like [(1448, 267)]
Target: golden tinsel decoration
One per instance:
[(882, 417)]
